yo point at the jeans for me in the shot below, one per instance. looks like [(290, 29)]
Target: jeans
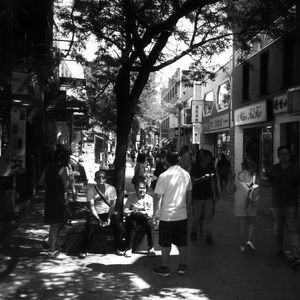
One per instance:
[(286, 217), (92, 225)]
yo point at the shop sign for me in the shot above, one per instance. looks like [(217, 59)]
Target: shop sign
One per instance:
[(280, 104), (219, 122), (251, 114), (18, 140), (197, 111)]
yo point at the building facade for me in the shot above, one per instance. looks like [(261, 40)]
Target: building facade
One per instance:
[(217, 129), (265, 102)]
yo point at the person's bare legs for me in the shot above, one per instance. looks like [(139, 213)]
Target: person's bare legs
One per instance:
[(251, 227), (182, 255), (53, 232), (242, 227), (165, 252)]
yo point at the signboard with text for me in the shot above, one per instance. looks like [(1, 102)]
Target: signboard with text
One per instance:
[(196, 111), (219, 122), (280, 104), (251, 114)]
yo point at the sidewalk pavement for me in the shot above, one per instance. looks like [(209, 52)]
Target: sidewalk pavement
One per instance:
[(219, 272)]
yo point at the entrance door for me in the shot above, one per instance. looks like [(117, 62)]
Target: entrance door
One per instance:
[(252, 144)]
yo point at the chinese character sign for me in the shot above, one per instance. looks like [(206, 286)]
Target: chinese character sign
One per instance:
[(197, 111), (18, 139)]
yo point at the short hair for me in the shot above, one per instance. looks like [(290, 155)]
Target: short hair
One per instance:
[(282, 147), (100, 172), (143, 181), (141, 158), (172, 158)]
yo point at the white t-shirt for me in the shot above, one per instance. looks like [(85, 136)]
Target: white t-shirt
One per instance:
[(144, 204), (172, 185), (109, 194)]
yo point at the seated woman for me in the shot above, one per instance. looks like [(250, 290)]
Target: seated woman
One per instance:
[(139, 211)]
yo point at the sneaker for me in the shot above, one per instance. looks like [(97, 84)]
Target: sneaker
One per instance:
[(250, 246), (82, 255), (119, 252), (161, 271), (128, 253), (151, 252), (193, 236), (182, 269), (209, 241), (61, 255), (242, 248), (56, 254)]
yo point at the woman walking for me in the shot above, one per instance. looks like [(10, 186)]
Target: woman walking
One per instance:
[(244, 209)]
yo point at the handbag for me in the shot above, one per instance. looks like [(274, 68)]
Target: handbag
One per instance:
[(254, 194)]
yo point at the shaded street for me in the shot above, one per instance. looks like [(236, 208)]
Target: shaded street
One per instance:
[(215, 272)]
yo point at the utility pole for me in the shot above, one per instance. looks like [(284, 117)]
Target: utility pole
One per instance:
[(179, 127)]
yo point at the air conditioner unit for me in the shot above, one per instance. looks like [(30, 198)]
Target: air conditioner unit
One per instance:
[(293, 100)]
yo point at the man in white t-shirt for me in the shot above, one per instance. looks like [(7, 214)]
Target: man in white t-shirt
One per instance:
[(101, 198), (173, 192)]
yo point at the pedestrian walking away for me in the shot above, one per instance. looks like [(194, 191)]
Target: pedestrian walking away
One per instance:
[(224, 172), (173, 194), (204, 195), (285, 179), (185, 158)]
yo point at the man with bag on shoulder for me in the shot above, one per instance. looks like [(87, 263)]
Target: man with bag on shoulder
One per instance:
[(101, 198)]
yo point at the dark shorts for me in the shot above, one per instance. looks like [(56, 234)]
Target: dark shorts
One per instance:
[(173, 232)]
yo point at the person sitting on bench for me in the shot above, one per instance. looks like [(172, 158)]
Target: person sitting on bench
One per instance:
[(139, 211), (101, 198)]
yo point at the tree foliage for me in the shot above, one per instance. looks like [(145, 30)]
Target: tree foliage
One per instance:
[(137, 37)]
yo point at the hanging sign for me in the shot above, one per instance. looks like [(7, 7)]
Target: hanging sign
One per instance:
[(197, 111)]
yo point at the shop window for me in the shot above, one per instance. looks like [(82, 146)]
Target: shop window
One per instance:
[(245, 82), (289, 135), (208, 103), (224, 96), (223, 144), (264, 72)]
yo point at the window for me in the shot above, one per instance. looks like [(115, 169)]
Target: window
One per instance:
[(208, 102), (264, 72), (288, 60), (245, 82), (224, 95)]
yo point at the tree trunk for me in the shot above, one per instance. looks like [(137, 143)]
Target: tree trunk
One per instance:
[(124, 123)]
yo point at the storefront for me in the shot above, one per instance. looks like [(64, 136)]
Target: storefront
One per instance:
[(253, 137), (217, 136)]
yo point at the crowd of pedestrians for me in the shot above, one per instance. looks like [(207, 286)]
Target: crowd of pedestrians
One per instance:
[(183, 187)]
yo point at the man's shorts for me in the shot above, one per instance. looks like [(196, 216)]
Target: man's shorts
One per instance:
[(173, 232)]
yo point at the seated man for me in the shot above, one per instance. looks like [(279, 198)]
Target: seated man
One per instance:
[(101, 198), (139, 211)]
